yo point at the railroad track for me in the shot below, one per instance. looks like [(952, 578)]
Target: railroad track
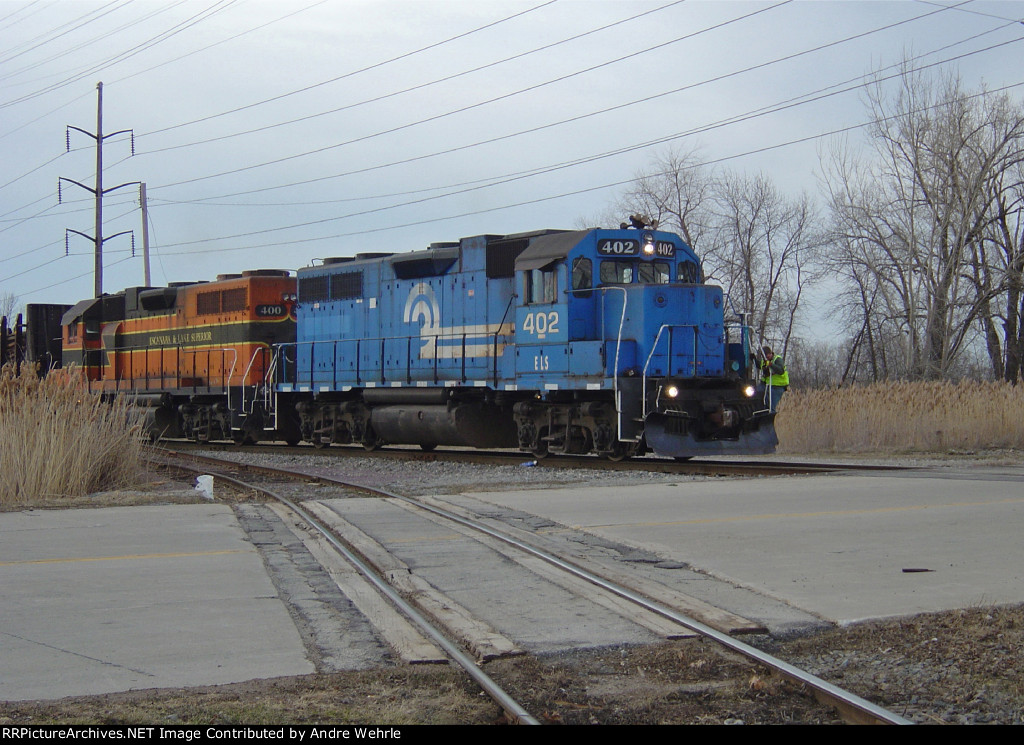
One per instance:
[(703, 467), (852, 708)]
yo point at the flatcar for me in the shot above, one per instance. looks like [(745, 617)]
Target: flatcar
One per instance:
[(593, 341)]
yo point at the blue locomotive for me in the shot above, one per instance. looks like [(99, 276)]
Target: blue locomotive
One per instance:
[(593, 341)]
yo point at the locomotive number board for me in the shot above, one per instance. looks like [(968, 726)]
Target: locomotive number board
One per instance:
[(628, 247)]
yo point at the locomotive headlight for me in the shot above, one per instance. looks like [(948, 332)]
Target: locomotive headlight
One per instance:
[(749, 391), (648, 240), (672, 391)]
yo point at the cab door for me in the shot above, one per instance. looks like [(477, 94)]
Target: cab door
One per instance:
[(542, 335)]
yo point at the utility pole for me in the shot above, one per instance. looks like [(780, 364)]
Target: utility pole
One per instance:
[(97, 237), (145, 233)]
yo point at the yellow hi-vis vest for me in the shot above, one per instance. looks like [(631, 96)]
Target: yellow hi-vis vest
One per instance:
[(776, 380)]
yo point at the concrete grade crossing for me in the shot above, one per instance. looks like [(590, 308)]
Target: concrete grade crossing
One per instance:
[(120, 598), (836, 546)]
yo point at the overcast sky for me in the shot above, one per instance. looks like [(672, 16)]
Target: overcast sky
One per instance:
[(270, 134)]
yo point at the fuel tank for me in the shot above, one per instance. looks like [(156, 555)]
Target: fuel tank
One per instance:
[(475, 424)]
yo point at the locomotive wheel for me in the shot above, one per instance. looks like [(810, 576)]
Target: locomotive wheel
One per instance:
[(428, 447), (541, 450), (618, 453), (320, 443), (370, 440)]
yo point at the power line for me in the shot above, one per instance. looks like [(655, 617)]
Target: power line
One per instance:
[(403, 56), (218, 43), (19, 10), (167, 62), (354, 72), (60, 32), (163, 36), (479, 104), (972, 11), (410, 89), (549, 125), (809, 97), (615, 184), (547, 169), (557, 196)]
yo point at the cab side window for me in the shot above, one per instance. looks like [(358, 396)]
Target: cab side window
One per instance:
[(688, 272), (540, 286)]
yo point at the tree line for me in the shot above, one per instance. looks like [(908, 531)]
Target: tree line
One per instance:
[(917, 233)]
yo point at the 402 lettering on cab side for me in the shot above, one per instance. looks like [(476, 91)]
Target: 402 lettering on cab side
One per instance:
[(541, 324)]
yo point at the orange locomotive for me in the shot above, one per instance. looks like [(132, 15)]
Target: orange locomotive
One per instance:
[(198, 357)]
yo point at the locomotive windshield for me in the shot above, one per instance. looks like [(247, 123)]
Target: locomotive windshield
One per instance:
[(655, 273), (619, 272)]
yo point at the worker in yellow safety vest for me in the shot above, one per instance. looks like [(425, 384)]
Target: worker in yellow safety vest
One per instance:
[(774, 377)]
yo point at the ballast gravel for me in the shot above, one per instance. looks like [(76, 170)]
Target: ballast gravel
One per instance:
[(422, 477)]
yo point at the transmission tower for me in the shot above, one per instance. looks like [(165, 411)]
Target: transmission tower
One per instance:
[(97, 238)]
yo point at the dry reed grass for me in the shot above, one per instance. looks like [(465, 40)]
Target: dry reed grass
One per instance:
[(902, 417), (57, 441)]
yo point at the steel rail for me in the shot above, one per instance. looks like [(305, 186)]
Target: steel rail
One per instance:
[(854, 708), (512, 708), (561, 461)]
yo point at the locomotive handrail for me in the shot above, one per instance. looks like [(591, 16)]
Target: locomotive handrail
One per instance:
[(618, 346), (261, 352), (180, 349), (668, 369), (767, 397), (381, 375), (269, 390), (497, 331), (234, 362)]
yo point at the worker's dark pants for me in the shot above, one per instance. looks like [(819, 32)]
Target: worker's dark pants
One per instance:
[(771, 395)]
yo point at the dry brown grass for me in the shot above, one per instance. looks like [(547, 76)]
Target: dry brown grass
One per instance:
[(57, 441), (902, 417)]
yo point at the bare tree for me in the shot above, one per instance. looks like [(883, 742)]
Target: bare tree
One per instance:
[(813, 364), (762, 252), (677, 193), (9, 303), (914, 226), (755, 242), (999, 265)]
